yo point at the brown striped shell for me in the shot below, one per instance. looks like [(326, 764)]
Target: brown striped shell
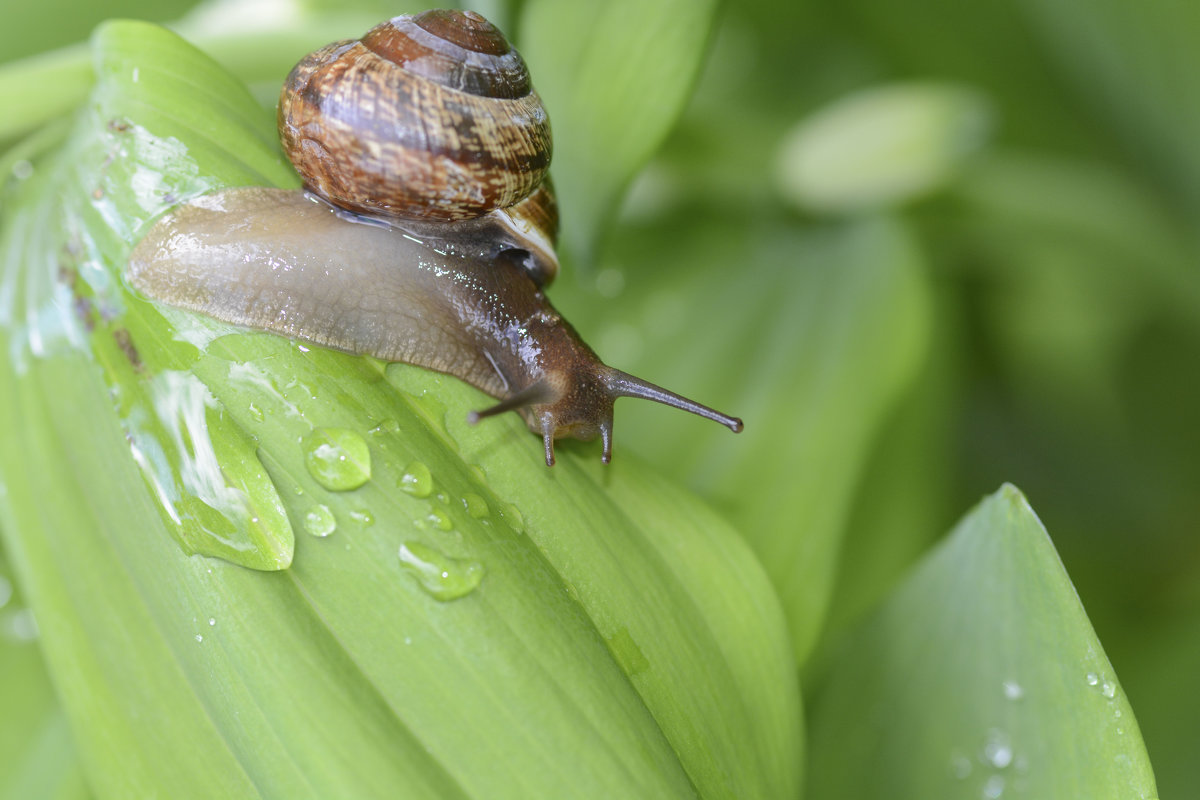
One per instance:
[(429, 116)]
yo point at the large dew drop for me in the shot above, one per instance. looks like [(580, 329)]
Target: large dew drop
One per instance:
[(337, 458), (417, 480)]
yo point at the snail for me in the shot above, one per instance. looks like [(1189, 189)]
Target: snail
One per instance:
[(424, 234)]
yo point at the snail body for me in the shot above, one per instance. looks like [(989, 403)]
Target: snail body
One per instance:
[(452, 282)]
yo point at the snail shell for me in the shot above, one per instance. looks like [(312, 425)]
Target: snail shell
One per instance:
[(429, 116), (450, 280)]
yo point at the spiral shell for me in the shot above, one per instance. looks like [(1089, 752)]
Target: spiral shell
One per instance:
[(429, 116)]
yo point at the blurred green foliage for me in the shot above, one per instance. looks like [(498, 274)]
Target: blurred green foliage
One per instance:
[(1034, 317)]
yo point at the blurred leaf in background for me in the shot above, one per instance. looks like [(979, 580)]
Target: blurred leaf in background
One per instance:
[(989, 615)]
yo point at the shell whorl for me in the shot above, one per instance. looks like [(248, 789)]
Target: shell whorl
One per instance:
[(429, 116)]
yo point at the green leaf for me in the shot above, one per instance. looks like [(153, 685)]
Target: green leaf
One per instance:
[(881, 147), (37, 758), (610, 636), (614, 77), (1133, 64), (980, 677), (808, 334), (37, 87)]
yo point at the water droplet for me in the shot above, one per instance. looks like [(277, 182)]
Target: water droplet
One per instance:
[(512, 515), (362, 517), (476, 506), (212, 621), (1013, 690), (387, 426), (1092, 679), (22, 170), (256, 413), (199, 638), (1109, 690), (319, 521), (337, 458), (993, 787), (997, 750), (445, 578), (436, 518), (417, 480)]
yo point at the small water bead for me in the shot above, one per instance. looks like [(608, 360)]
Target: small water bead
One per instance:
[(199, 638), (362, 517), (417, 480), (385, 427), (512, 515), (319, 521), (443, 577), (212, 621), (436, 518), (337, 458), (1092, 679), (475, 505), (256, 413), (1109, 689)]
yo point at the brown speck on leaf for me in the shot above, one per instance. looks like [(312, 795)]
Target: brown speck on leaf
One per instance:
[(97, 193), (125, 342), (118, 125), (85, 312)]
